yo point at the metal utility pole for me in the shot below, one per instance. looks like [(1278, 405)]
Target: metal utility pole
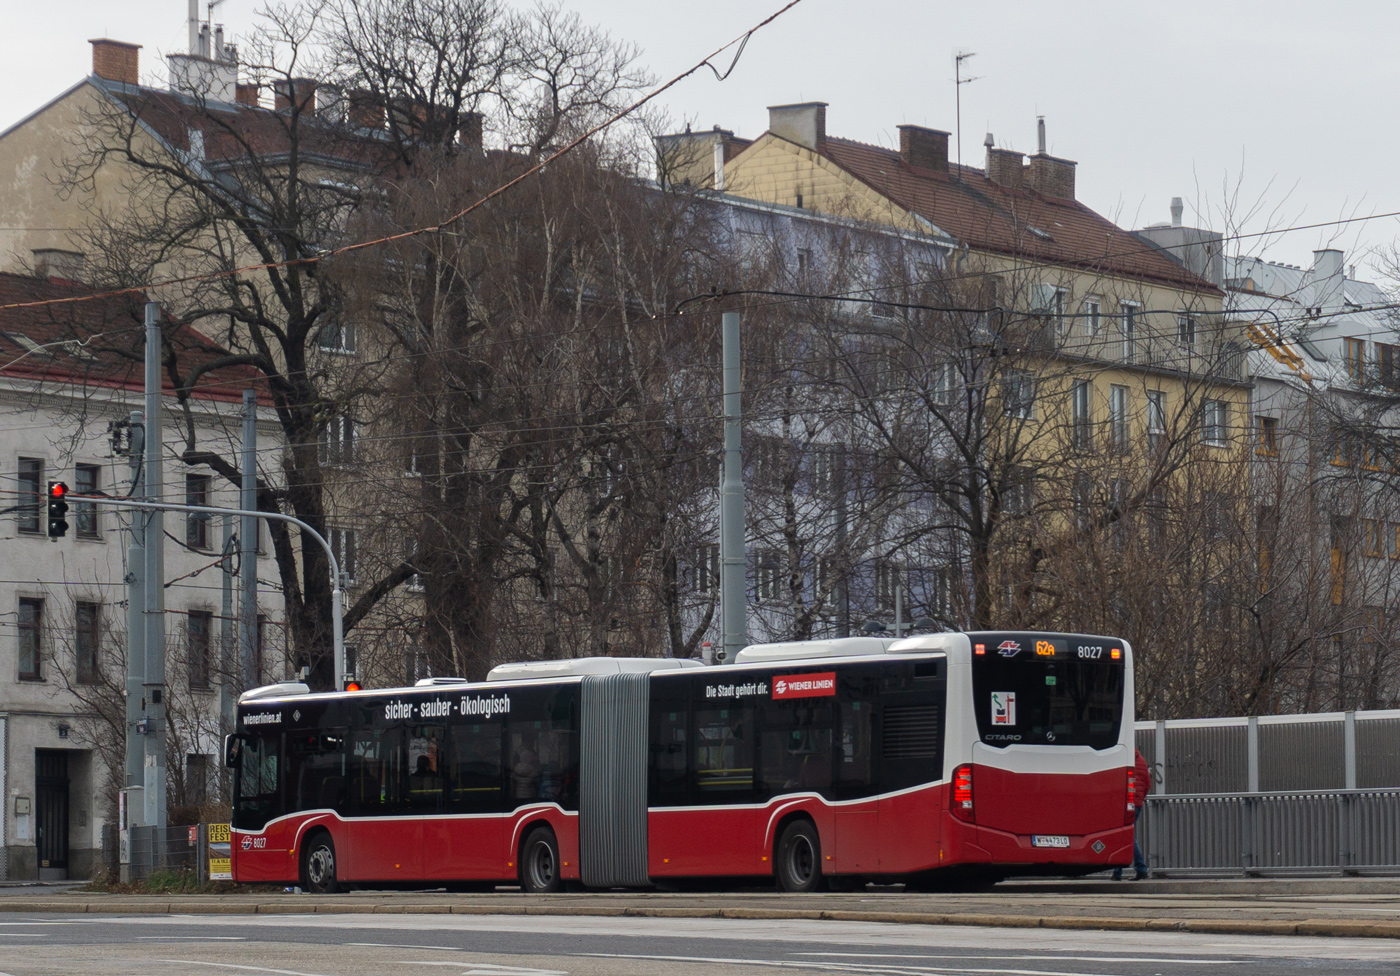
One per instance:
[(227, 658), (135, 627), (154, 625), (733, 598), (843, 565), (958, 82), (248, 544)]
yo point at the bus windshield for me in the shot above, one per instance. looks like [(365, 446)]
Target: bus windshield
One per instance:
[(1043, 689)]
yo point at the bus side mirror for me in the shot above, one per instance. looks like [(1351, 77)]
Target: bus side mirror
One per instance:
[(233, 750)]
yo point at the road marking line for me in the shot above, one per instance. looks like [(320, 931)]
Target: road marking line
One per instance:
[(847, 967), (401, 945), (1046, 958), (486, 968), (251, 969), (194, 938)]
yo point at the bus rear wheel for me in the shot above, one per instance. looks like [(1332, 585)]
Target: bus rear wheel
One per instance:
[(539, 862), (799, 857), (318, 865)]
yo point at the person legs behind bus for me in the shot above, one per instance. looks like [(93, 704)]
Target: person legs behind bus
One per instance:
[(1142, 782)]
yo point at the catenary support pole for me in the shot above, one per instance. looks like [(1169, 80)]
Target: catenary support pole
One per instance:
[(136, 626), (248, 539), (733, 597), (154, 779), (228, 658)]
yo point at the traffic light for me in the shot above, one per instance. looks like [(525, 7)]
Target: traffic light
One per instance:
[(58, 509), (351, 684)]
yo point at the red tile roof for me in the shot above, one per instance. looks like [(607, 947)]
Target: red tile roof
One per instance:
[(113, 334), (240, 131), (991, 217)]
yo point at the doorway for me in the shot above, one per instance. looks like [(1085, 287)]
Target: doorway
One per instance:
[(51, 812)]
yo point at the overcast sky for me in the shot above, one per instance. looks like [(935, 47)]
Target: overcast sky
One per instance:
[(1279, 112)]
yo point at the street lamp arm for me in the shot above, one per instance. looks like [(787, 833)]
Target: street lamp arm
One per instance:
[(337, 624)]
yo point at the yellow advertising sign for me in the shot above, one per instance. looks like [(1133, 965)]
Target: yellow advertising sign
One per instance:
[(220, 852)]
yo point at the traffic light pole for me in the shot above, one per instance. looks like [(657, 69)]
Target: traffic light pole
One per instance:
[(337, 598), (154, 688)]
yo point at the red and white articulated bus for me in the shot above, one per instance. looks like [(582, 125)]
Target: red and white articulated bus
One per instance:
[(922, 759)]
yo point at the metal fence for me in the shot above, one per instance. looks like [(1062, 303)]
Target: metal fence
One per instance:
[(145, 850), (1279, 794), (1294, 833), (1273, 753)]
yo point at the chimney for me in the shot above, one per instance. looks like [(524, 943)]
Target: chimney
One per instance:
[(697, 158), (1051, 176), (246, 94), (1040, 134), (366, 110), (116, 60), (471, 130), (1326, 278), (52, 262), (1004, 167), (926, 148), (803, 123), (1176, 211), (295, 91)]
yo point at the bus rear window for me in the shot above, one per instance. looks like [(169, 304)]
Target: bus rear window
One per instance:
[(1062, 691)]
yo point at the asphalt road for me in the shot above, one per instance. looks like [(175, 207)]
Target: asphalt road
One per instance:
[(438, 945)]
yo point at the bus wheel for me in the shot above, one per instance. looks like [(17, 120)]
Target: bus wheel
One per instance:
[(318, 865), (799, 860), (539, 862)]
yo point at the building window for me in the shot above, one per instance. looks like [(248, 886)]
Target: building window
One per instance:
[(1053, 305), (197, 523), (1185, 330), (825, 578), (1118, 418), (1215, 423), (260, 651), (704, 569), (338, 441), (343, 545), (198, 625), (1268, 436), (31, 495), (1093, 314), (1355, 352), (768, 580), (1018, 394), (889, 581), (1082, 428), (87, 635), (804, 260), (1388, 361), (945, 384), (31, 639), (1129, 327), (196, 778), (336, 336), (1156, 419), (86, 476), (1017, 497)]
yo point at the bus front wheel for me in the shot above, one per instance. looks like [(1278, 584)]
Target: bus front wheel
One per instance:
[(539, 862), (799, 857), (318, 865)]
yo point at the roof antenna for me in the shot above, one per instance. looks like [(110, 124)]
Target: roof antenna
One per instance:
[(958, 81)]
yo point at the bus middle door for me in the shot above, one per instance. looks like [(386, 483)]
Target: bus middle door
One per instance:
[(386, 841)]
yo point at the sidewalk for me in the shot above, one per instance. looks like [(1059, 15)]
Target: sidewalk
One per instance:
[(1352, 907)]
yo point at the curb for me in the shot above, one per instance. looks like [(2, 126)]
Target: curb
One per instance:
[(1316, 927)]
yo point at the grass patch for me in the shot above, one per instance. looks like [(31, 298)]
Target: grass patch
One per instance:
[(176, 882)]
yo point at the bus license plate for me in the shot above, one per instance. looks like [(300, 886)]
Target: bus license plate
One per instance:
[(1049, 840)]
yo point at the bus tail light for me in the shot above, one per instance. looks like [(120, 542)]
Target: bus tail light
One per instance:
[(962, 793), (1130, 812)]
